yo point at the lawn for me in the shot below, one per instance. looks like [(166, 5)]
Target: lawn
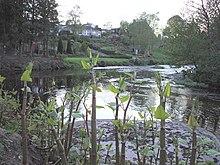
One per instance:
[(161, 58), (78, 60)]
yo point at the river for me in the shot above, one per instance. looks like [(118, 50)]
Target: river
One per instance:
[(179, 104)]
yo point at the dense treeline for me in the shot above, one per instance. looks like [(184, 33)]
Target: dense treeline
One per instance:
[(195, 40), (23, 23)]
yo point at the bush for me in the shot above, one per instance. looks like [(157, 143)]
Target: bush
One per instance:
[(60, 46), (69, 48)]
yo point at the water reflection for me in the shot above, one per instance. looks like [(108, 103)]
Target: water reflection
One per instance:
[(179, 104)]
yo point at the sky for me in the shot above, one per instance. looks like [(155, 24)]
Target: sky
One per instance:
[(100, 12)]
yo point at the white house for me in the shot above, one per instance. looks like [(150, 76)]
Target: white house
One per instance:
[(90, 30)]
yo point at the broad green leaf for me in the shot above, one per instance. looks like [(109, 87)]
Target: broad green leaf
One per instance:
[(125, 98), (51, 106), (51, 122), (62, 108), (86, 65), (166, 91), (152, 110), (96, 88), (129, 75), (122, 84), (160, 113), (111, 107), (213, 152), (108, 147), (26, 76), (2, 79), (158, 78), (90, 53), (113, 89), (96, 60), (77, 115), (116, 123), (192, 121), (151, 153), (76, 96), (53, 83), (140, 115), (205, 141), (30, 66), (127, 125), (99, 107)]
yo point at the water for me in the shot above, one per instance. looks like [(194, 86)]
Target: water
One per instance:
[(178, 105)]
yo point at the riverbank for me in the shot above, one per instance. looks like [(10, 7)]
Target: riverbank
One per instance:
[(16, 63), (207, 142)]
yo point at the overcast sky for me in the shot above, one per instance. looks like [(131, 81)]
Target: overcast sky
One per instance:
[(99, 12)]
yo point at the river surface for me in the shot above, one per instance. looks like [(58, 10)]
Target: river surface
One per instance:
[(178, 105)]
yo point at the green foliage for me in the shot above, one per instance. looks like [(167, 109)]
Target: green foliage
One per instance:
[(113, 89), (192, 121), (86, 65), (2, 79), (166, 92), (60, 46), (96, 88), (26, 75), (160, 113), (69, 48)]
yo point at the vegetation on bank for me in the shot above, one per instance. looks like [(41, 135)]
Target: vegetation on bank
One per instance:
[(105, 61)]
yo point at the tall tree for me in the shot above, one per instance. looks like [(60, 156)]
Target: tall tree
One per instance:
[(48, 18), (74, 19), (142, 35), (185, 41)]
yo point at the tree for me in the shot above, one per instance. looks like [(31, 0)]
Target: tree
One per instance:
[(141, 35), (185, 41), (48, 18), (152, 20), (69, 48), (60, 46), (74, 19), (107, 26)]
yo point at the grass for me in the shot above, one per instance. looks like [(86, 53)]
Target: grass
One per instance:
[(161, 58), (77, 60)]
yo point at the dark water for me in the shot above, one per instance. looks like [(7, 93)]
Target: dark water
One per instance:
[(178, 105)]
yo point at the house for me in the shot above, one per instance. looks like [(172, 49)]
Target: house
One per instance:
[(90, 30)]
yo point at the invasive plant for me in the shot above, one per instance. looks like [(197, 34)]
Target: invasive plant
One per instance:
[(164, 92), (25, 78), (8, 108), (90, 66), (121, 127), (192, 123), (108, 148)]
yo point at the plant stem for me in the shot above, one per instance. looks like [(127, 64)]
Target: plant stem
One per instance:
[(116, 132), (24, 127), (93, 123), (162, 138), (60, 147), (193, 155), (123, 143)]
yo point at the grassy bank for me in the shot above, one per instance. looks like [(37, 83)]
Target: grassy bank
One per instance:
[(160, 57), (105, 61)]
